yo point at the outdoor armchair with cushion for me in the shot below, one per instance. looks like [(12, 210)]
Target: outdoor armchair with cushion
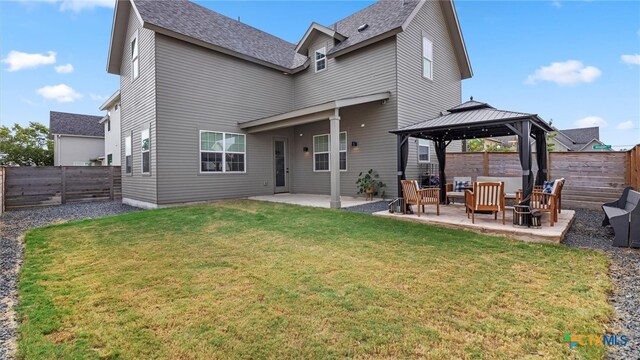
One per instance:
[(545, 201), (456, 189), (486, 196), (624, 217), (413, 195)]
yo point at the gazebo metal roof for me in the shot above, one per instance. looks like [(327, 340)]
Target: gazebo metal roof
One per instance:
[(469, 120)]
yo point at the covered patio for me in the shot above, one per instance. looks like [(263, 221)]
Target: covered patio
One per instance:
[(474, 120)]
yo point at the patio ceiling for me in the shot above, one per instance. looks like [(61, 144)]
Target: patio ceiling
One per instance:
[(309, 114)]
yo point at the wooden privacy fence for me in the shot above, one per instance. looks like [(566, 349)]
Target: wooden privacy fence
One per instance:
[(54, 185), (634, 167), (592, 178)]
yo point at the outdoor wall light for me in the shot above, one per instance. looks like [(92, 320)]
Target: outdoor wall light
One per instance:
[(354, 144), (305, 149)]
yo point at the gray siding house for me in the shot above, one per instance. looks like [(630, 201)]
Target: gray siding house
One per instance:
[(212, 108)]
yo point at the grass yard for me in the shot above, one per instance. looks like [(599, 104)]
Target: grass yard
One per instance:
[(247, 279)]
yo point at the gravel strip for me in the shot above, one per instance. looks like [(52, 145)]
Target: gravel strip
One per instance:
[(12, 225), (587, 232), (369, 208)]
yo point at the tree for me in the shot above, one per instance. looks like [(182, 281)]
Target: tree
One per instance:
[(551, 145), (475, 145), (25, 146)]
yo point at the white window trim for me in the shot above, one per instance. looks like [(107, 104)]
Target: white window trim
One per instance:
[(316, 60), (144, 151), (346, 159), (128, 140), (428, 146), (137, 57), (424, 37), (223, 152)]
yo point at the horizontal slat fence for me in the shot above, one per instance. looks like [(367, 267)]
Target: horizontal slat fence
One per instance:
[(592, 178), (54, 185)]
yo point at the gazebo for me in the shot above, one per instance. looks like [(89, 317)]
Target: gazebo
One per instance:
[(471, 120)]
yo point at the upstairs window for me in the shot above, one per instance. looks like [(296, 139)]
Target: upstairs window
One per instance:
[(145, 146), (321, 59), (135, 62), (427, 58), (322, 152), (128, 160), (424, 151)]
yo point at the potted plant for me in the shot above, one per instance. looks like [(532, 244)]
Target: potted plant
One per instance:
[(369, 183)]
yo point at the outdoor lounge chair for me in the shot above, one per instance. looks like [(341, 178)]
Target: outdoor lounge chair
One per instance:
[(624, 217), (456, 193), (486, 196), (413, 195), (546, 202)]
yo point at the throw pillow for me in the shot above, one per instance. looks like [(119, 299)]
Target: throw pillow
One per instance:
[(459, 186), (547, 186)]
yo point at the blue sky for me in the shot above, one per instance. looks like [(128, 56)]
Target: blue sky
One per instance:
[(576, 62)]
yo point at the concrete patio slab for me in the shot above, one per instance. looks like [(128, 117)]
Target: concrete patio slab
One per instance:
[(454, 216), (321, 201)]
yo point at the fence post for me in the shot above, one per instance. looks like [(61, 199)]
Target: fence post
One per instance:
[(63, 193), (485, 160), (111, 183), (2, 182)]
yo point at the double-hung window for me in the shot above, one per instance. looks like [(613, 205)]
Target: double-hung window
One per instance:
[(424, 151), (322, 152), (222, 152), (321, 59), (135, 61), (128, 160), (145, 146), (427, 58)]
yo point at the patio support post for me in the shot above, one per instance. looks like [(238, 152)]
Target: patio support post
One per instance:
[(334, 141)]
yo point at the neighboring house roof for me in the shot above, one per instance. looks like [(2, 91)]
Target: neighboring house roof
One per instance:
[(582, 135), (193, 23), (110, 101), (61, 123)]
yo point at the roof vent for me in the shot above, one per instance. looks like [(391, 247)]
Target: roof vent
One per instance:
[(363, 27)]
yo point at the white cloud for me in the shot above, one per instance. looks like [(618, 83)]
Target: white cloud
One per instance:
[(570, 72), (631, 59), (75, 5), (18, 60), (64, 69), (625, 125), (97, 97), (61, 93), (590, 121), (556, 4)]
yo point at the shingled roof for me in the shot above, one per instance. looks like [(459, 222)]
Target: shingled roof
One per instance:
[(190, 19), (185, 20), (61, 123), (381, 17)]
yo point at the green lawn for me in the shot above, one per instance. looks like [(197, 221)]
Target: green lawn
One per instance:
[(251, 280)]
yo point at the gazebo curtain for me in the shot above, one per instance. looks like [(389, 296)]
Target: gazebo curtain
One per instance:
[(541, 156), (403, 159), (524, 152), (441, 154)]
